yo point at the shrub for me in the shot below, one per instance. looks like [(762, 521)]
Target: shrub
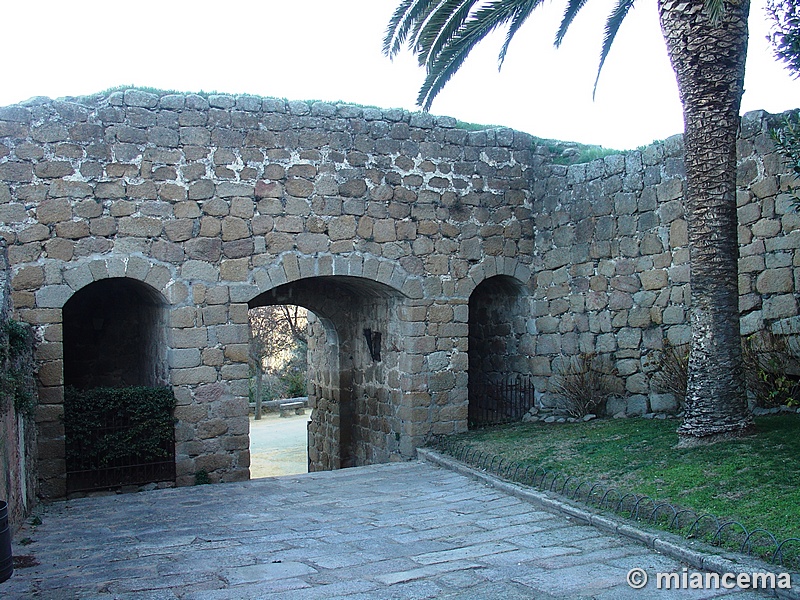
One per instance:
[(295, 382), (16, 368), (769, 362), (584, 385), (672, 376), (787, 138), (103, 425)]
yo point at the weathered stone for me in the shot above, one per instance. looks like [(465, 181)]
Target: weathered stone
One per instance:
[(72, 230), (234, 270), (775, 281), (654, 280), (234, 228), (52, 211)]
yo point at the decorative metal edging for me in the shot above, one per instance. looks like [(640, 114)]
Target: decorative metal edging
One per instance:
[(639, 507)]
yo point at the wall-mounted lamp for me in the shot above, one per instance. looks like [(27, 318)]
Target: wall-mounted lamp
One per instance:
[(373, 343)]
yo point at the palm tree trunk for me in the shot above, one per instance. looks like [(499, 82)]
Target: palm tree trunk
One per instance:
[(708, 57)]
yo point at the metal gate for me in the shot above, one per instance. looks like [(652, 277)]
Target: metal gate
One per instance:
[(505, 401)]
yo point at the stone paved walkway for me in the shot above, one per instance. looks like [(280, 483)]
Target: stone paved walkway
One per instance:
[(403, 530)]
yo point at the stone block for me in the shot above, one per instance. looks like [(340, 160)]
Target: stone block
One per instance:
[(775, 281), (199, 270), (193, 376), (312, 243), (780, 307), (239, 353), (663, 403), (190, 338), (51, 373), (637, 384), (140, 226), (636, 405), (234, 269), (28, 278), (233, 334), (51, 211), (182, 358), (53, 296), (654, 280)]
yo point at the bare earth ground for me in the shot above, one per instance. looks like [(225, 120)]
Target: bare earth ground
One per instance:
[(278, 445)]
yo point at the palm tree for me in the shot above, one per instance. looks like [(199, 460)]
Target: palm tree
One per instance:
[(707, 45)]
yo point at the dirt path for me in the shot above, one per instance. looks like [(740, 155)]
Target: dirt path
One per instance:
[(278, 445)]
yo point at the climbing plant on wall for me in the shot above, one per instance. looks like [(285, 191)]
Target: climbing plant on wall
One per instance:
[(110, 427), (16, 368)]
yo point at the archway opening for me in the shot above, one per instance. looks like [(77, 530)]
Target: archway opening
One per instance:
[(353, 361), (278, 389), (500, 386), (118, 410)]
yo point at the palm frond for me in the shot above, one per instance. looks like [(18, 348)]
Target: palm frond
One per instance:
[(521, 15), (405, 17), (444, 65), (715, 9), (570, 13), (442, 27), (612, 27)]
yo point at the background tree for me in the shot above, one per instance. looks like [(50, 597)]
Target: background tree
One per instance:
[(707, 45), (785, 33), (277, 340), (785, 38)]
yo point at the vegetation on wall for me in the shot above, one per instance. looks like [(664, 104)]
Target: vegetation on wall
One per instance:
[(103, 425), (573, 153), (16, 368), (787, 138)]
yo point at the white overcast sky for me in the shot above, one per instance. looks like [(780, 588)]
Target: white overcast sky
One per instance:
[(331, 50)]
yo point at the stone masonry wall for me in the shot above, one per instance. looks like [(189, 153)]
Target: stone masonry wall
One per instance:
[(612, 262), (214, 201), (376, 219)]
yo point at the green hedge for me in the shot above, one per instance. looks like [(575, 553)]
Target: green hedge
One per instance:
[(103, 425)]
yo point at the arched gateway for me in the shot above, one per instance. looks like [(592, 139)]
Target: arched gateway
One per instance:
[(192, 210)]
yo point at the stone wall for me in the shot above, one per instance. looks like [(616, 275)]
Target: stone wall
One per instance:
[(379, 219), (373, 219), (612, 262), (18, 449)]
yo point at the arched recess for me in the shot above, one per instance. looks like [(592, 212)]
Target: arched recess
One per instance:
[(115, 334), (353, 363), (500, 346)]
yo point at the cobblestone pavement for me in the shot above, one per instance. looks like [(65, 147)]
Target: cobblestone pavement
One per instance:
[(401, 530)]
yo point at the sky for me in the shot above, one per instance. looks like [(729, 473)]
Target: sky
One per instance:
[(331, 50)]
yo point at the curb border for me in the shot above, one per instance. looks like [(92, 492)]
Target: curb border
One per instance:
[(701, 558)]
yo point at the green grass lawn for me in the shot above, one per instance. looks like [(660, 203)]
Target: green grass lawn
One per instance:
[(754, 480)]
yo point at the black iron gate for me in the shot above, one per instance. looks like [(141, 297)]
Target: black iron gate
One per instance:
[(504, 401)]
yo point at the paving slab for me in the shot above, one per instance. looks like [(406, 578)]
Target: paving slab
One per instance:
[(403, 531)]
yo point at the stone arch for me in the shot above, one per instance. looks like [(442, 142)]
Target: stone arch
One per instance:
[(115, 334), (493, 266), (354, 388), (500, 345), (293, 266), (160, 277)]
